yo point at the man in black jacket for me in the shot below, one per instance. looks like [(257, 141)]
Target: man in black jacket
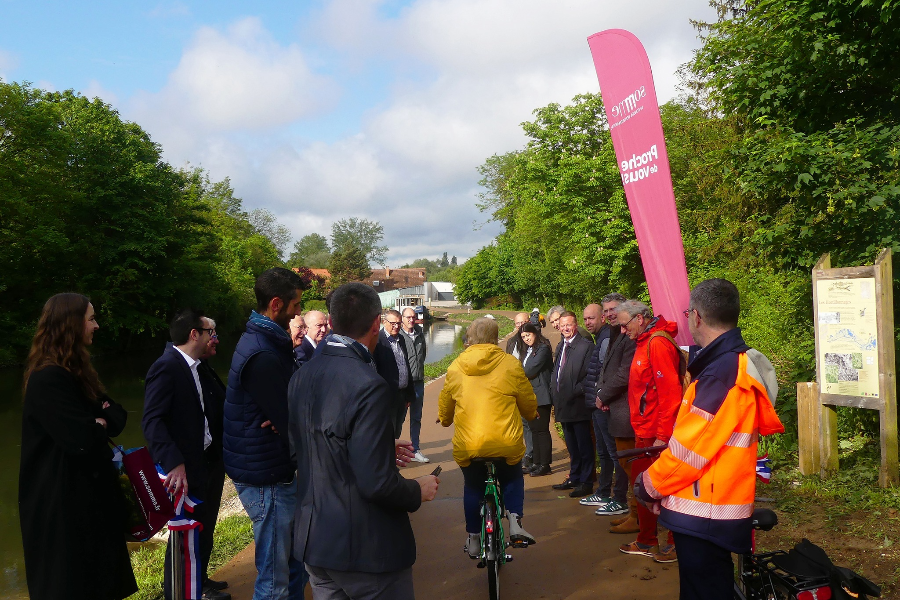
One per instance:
[(255, 444), (392, 363), (176, 423), (351, 527), (567, 389)]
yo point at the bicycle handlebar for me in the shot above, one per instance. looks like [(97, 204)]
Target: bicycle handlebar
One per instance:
[(649, 451)]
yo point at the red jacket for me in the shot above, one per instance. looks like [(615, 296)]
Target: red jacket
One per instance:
[(654, 386)]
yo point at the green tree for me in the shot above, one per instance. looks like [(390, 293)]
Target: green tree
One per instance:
[(806, 64), (266, 224), (311, 250), (348, 263), (360, 233)]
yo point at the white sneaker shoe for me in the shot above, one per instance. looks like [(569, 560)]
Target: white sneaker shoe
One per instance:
[(419, 457), (473, 546), (517, 535)]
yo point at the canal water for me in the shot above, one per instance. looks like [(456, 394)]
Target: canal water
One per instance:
[(124, 378)]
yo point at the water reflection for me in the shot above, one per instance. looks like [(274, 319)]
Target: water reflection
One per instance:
[(442, 338), (123, 376)]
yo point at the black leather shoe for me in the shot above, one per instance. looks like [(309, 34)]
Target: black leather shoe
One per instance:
[(215, 585), (211, 594), (540, 470), (567, 484), (527, 467), (582, 489)]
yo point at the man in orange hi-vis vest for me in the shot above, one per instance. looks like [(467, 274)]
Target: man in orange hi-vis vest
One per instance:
[(706, 479)]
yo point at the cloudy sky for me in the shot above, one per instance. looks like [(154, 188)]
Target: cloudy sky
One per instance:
[(321, 110)]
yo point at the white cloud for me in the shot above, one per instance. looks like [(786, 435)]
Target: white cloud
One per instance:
[(465, 74), (95, 90), (240, 79), (8, 63)]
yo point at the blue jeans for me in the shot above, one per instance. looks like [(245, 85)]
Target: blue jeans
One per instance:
[(271, 510), (512, 485), (609, 460), (415, 413)]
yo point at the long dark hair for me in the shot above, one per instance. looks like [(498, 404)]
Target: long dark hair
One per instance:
[(538, 338), (59, 340)]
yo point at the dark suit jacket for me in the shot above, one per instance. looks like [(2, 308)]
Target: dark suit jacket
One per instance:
[(538, 369), (173, 419), (386, 364), (612, 384), (352, 503), (304, 352), (568, 401)]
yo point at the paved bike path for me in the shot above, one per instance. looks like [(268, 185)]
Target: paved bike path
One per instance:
[(575, 556)]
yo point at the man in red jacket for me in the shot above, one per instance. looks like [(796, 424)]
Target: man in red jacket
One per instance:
[(654, 396)]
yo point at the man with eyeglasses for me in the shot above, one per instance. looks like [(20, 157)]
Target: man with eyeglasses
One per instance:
[(414, 337), (654, 395), (178, 411), (392, 363)]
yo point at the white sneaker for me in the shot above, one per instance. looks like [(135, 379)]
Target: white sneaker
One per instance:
[(473, 546), (419, 457), (517, 535)]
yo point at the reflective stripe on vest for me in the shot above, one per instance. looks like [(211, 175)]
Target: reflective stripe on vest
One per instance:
[(708, 510)]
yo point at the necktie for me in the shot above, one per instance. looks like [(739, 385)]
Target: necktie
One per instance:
[(562, 363)]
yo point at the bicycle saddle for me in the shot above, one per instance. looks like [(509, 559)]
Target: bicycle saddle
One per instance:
[(487, 459), (764, 519)]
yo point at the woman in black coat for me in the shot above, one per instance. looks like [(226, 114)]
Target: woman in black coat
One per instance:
[(71, 508), (537, 360)]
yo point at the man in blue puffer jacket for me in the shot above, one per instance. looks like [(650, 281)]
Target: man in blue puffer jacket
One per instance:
[(256, 448)]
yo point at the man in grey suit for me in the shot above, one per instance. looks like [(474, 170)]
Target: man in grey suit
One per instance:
[(351, 527), (567, 389)]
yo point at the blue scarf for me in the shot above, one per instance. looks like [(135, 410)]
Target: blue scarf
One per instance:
[(266, 323), (347, 342)]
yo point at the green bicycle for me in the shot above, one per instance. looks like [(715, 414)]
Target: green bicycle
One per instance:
[(493, 535)]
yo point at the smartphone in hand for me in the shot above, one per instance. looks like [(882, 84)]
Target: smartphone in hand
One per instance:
[(437, 471)]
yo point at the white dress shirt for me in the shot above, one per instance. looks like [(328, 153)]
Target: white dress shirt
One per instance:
[(193, 364)]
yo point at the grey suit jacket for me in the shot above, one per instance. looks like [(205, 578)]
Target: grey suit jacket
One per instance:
[(612, 385)]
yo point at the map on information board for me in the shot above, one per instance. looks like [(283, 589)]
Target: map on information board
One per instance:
[(848, 337)]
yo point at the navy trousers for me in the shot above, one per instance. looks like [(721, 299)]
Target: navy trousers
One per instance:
[(581, 451), (705, 570)]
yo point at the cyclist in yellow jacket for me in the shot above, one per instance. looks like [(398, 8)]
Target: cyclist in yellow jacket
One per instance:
[(486, 394), (706, 479)]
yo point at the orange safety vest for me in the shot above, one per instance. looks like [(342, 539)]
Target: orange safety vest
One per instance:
[(707, 476)]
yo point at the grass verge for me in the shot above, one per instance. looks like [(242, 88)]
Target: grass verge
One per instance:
[(436, 369), (232, 535)]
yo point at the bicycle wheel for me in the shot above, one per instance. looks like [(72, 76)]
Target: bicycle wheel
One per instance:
[(492, 547)]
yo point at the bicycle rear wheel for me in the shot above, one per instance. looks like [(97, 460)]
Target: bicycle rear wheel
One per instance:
[(493, 550)]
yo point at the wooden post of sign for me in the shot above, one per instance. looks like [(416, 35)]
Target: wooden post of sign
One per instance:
[(884, 289), (808, 408), (825, 415), (885, 401)]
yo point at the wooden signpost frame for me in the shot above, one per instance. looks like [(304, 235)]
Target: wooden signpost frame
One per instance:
[(816, 412)]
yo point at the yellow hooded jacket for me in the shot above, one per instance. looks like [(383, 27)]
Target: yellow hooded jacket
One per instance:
[(486, 394)]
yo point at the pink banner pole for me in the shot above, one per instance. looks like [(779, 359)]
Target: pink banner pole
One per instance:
[(632, 110)]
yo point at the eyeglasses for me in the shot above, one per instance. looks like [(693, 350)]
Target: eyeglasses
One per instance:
[(625, 324), (212, 332), (687, 313), (393, 323)]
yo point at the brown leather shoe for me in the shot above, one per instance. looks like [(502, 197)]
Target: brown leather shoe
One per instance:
[(620, 520), (629, 526)]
